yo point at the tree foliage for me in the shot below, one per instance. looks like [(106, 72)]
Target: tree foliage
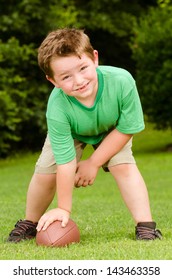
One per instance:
[(152, 49), (23, 90), (23, 25), (110, 27)]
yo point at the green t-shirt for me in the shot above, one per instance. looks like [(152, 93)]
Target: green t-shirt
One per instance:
[(117, 104)]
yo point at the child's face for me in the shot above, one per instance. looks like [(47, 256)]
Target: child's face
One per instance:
[(76, 76)]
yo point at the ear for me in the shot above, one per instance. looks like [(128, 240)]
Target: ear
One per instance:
[(51, 80), (96, 58)]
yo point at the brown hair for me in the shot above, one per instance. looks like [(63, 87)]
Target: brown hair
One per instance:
[(63, 42)]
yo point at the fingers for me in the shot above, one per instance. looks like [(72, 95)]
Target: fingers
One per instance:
[(76, 180), (51, 216), (85, 174), (87, 183), (80, 182), (44, 222), (84, 183), (64, 222)]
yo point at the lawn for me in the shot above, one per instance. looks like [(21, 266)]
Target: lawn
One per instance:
[(106, 227)]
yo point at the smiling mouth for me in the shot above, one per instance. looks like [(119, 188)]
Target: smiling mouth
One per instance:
[(82, 88)]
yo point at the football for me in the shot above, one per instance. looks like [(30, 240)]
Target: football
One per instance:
[(57, 236)]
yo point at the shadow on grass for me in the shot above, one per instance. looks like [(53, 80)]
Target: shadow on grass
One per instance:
[(150, 149)]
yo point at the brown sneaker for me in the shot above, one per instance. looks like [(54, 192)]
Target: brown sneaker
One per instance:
[(147, 231), (23, 230)]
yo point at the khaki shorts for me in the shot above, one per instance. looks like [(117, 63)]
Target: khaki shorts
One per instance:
[(46, 163)]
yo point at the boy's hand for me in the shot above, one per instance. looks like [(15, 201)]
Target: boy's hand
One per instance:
[(51, 216), (86, 173)]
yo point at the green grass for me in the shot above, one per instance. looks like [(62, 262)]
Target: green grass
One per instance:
[(106, 227)]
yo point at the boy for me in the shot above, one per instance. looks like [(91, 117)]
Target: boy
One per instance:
[(90, 104)]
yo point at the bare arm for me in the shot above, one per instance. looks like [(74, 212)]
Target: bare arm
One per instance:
[(111, 145), (65, 183)]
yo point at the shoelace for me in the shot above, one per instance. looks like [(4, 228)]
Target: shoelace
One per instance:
[(21, 226), (147, 233)]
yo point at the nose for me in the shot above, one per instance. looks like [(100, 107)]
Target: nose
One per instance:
[(78, 79)]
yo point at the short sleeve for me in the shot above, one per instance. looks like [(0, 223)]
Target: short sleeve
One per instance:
[(131, 117), (61, 140)]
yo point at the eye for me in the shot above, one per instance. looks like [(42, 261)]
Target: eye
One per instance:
[(83, 67), (65, 77)]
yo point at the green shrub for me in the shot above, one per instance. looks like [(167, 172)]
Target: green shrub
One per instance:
[(152, 50)]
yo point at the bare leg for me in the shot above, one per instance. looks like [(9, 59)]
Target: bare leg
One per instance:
[(39, 196), (133, 191)]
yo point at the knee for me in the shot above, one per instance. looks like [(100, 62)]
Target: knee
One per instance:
[(47, 181), (122, 170)]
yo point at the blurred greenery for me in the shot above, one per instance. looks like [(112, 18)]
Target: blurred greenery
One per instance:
[(118, 29), (152, 51)]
